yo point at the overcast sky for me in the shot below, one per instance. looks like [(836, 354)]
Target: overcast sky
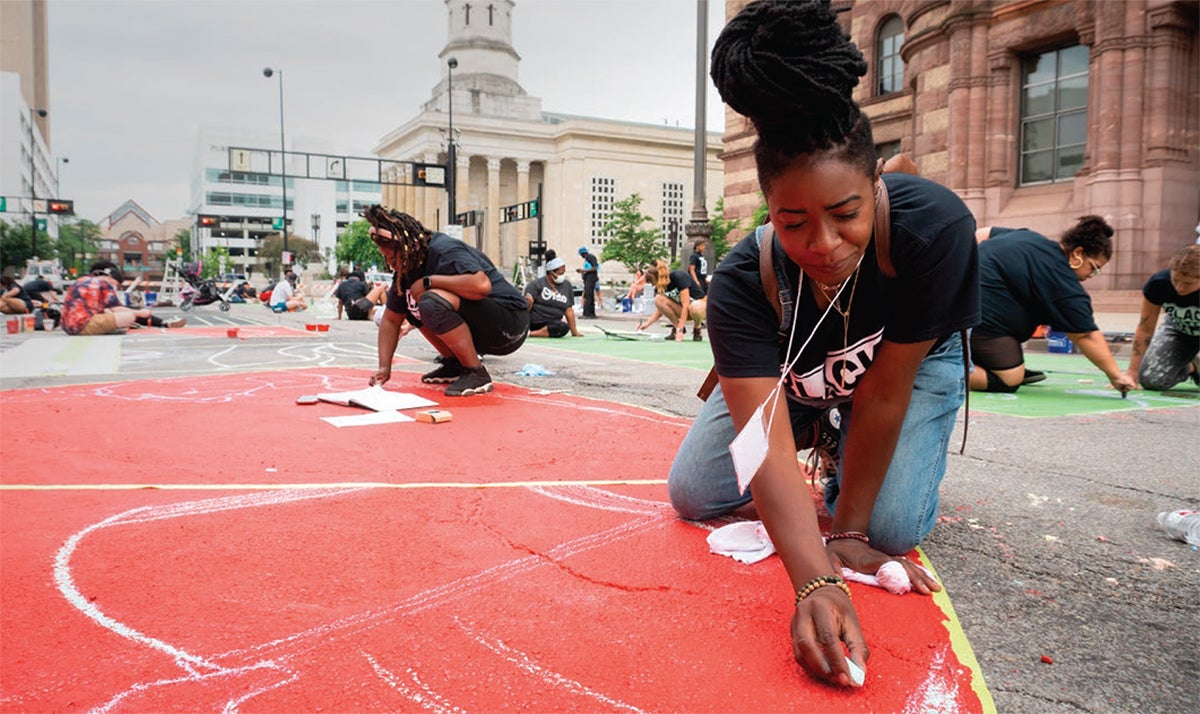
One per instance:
[(132, 82)]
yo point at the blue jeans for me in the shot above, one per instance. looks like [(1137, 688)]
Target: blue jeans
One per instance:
[(702, 483)]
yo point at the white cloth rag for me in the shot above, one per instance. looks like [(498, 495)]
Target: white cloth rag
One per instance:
[(747, 542)]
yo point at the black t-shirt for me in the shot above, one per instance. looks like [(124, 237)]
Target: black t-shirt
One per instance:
[(1026, 281), (1183, 311), (935, 293), (449, 256), (38, 285), (21, 294), (594, 271), (351, 290), (682, 280), (550, 302), (700, 263)]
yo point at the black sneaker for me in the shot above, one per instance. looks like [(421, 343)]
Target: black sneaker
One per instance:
[(450, 370), (696, 336), (475, 380), (671, 334), (1032, 376)]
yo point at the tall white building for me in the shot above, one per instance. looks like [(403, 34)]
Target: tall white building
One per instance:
[(247, 205), (507, 146), (28, 167)]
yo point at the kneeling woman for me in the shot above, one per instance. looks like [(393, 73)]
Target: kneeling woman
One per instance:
[(876, 336), (453, 294), (678, 297)]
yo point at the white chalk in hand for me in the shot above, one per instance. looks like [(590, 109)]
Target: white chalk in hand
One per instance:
[(857, 675)]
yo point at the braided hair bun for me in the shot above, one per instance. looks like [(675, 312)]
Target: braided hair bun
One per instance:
[(788, 67)]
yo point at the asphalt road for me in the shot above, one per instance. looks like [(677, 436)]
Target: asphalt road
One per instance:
[(1047, 541)]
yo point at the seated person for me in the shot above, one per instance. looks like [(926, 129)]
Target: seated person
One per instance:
[(1026, 280), (1166, 356), (551, 299), (358, 298), (453, 294), (677, 297), (40, 290), (13, 298), (287, 296), (92, 305)]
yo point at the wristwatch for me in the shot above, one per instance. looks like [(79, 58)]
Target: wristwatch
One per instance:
[(426, 282)]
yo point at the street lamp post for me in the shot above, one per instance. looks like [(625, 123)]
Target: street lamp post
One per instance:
[(58, 190), (33, 181), (267, 72), (451, 159), (699, 228)]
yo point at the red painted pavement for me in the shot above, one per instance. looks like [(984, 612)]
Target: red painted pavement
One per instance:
[(556, 597)]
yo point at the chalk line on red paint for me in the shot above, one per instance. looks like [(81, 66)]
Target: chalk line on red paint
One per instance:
[(230, 706), (585, 495), (420, 693), (938, 693), (547, 676)]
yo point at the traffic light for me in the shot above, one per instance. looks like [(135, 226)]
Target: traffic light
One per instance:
[(61, 206), (533, 208), (207, 221), (3, 204)]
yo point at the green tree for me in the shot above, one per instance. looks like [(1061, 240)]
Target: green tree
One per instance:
[(721, 228), (270, 252), (211, 261), (761, 213), (15, 246), (630, 241), (183, 241), (355, 247), (77, 240)]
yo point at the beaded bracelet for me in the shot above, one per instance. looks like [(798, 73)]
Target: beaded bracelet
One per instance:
[(844, 535), (811, 586)]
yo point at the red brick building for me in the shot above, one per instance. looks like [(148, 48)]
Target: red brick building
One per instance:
[(1035, 112)]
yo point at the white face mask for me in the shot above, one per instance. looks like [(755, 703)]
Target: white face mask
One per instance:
[(555, 279)]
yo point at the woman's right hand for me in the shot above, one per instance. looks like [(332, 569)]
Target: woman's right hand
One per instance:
[(381, 376), (822, 622)]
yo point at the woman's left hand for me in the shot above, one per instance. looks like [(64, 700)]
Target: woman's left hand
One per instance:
[(679, 334), (859, 556)]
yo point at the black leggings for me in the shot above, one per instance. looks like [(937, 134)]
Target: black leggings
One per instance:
[(996, 352), (496, 329)]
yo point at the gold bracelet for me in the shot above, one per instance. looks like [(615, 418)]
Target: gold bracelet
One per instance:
[(812, 585)]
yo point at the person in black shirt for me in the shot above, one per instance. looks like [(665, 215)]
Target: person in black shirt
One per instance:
[(551, 299), (40, 290), (876, 336), (677, 297), (358, 299), (453, 294), (1166, 356), (13, 298), (698, 265), (1027, 280), (591, 281)]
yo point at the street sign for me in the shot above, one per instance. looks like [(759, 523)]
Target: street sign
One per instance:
[(3, 204), (277, 224), (39, 205), (519, 211), (41, 224)]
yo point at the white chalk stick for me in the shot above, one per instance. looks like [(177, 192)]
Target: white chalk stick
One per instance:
[(857, 675)]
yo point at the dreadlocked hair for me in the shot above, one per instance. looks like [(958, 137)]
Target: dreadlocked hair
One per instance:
[(1093, 234), (409, 240), (789, 68)]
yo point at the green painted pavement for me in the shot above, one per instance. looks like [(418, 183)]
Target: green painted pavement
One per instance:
[(1062, 393)]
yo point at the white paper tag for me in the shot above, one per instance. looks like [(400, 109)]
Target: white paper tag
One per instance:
[(749, 448)]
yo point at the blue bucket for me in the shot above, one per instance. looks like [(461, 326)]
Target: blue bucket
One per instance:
[(1059, 343)]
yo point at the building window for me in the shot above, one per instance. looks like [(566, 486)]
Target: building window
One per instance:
[(890, 68), (888, 149), (672, 213), (1054, 93), (604, 193)]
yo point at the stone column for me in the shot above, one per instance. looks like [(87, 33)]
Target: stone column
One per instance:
[(524, 228), (432, 199), (492, 243), (462, 183), (408, 195)]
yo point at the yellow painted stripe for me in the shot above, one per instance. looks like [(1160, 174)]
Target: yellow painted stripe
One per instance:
[(314, 486), (958, 641)]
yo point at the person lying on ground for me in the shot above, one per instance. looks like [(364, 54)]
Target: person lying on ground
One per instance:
[(453, 294), (551, 301), (92, 305), (1027, 280), (1166, 356)]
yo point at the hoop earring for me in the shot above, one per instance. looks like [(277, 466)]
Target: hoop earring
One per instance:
[(1074, 266)]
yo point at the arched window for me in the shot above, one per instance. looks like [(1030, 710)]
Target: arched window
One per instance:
[(889, 68)]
